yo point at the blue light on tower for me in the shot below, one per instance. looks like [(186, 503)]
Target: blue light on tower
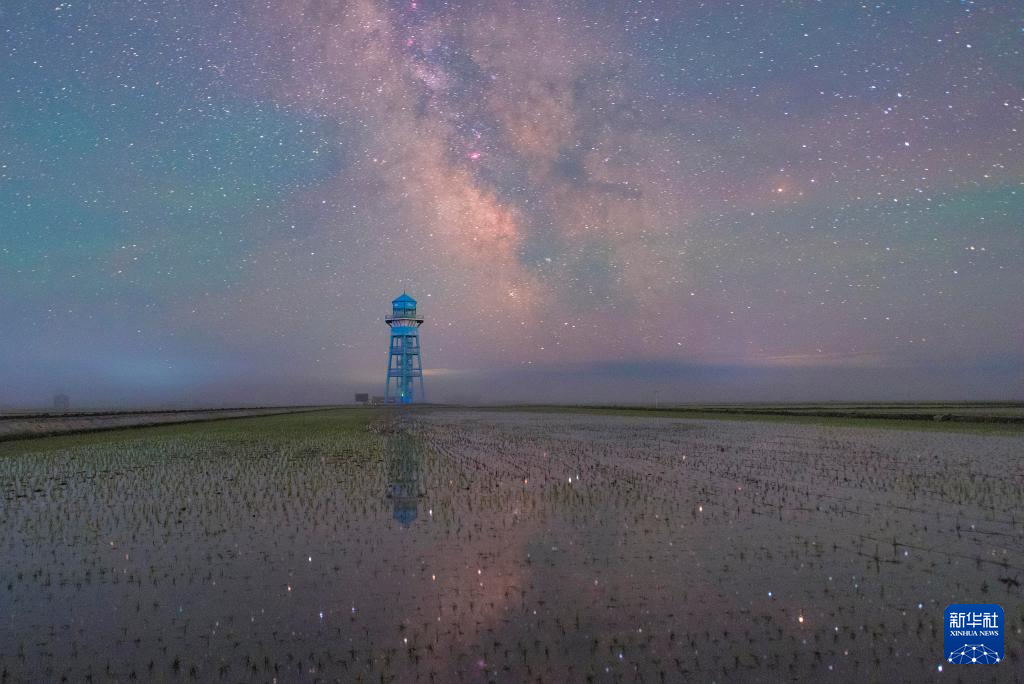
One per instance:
[(404, 362)]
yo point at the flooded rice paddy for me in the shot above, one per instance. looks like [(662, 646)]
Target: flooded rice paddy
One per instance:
[(20, 425), (443, 545)]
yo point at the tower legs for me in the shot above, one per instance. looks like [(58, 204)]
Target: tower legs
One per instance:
[(404, 367)]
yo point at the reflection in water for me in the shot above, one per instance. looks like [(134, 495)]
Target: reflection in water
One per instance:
[(405, 466), (555, 547)]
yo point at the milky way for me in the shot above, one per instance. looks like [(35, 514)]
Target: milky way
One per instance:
[(216, 203)]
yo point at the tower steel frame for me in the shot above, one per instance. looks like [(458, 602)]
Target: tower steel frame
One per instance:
[(405, 361)]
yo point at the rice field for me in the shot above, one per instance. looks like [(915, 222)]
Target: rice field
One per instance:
[(17, 425), (461, 545)]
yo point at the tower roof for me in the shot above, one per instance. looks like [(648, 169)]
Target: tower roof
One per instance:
[(403, 299)]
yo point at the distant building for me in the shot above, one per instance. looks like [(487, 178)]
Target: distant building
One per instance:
[(61, 402), (362, 398), (377, 399)]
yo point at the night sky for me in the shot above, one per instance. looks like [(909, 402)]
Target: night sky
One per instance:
[(215, 202)]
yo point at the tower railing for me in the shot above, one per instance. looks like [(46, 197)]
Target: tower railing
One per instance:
[(413, 316)]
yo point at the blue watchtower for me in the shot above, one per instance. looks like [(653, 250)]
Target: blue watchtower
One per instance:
[(404, 362)]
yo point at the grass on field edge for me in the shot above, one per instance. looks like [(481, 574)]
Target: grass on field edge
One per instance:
[(276, 426), (272, 426), (954, 424)]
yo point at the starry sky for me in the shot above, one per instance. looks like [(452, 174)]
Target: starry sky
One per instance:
[(215, 202)]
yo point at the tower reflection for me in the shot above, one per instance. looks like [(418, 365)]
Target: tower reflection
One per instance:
[(405, 468)]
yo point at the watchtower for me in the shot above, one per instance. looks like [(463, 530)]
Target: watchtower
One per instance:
[(404, 361)]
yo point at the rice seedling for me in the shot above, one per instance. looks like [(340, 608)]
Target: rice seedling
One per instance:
[(441, 545)]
